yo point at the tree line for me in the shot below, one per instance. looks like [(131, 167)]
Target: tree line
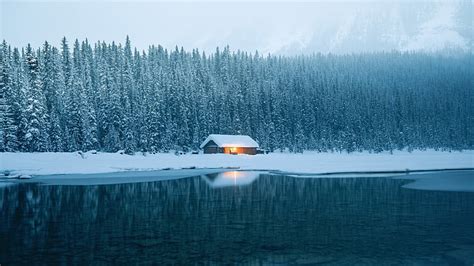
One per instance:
[(110, 97)]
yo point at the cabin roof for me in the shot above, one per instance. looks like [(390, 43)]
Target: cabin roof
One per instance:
[(231, 141)]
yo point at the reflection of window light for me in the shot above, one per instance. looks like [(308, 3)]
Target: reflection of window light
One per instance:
[(233, 174), (231, 178)]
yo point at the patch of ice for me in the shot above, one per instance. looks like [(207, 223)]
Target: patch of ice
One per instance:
[(349, 175), (461, 181), (119, 177)]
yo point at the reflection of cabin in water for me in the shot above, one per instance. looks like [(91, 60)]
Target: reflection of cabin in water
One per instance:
[(231, 178), (230, 144)]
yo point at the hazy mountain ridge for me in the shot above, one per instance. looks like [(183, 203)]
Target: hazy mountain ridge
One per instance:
[(404, 27), (275, 27)]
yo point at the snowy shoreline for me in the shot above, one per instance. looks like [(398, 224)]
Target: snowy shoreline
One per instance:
[(38, 164)]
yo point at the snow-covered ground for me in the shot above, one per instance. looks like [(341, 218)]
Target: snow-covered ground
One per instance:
[(308, 162)]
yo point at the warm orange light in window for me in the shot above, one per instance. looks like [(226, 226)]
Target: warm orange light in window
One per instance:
[(233, 149)]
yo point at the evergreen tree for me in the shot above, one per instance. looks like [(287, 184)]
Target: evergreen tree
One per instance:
[(8, 128), (36, 137)]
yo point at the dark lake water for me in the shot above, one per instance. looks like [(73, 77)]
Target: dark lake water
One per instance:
[(237, 218)]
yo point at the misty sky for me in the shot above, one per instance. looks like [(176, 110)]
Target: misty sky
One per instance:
[(265, 26)]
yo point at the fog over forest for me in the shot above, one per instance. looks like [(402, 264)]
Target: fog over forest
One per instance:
[(283, 28)]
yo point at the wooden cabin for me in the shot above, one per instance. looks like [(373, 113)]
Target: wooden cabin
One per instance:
[(229, 144)]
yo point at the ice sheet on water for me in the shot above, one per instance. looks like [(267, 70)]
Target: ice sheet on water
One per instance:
[(119, 177), (462, 181)]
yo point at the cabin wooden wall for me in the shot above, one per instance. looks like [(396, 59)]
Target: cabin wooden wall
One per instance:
[(211, 149), (250, 151)]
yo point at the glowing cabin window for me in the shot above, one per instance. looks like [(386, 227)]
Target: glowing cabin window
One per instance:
[(233, 150)]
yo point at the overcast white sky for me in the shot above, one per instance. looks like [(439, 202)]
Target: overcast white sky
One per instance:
[(266, 26)]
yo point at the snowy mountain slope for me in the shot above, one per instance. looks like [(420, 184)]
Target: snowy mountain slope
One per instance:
[(438, 32)]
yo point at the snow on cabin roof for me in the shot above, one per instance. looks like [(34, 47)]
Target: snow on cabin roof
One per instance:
[(231, 141)]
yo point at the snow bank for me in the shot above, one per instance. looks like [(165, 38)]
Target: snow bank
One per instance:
[(308, 162)]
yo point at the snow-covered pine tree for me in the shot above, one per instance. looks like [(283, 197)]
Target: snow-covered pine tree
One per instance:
[(36, 136), (8, 128)]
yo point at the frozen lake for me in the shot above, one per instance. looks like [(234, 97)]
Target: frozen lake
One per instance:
[(241, 218)]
